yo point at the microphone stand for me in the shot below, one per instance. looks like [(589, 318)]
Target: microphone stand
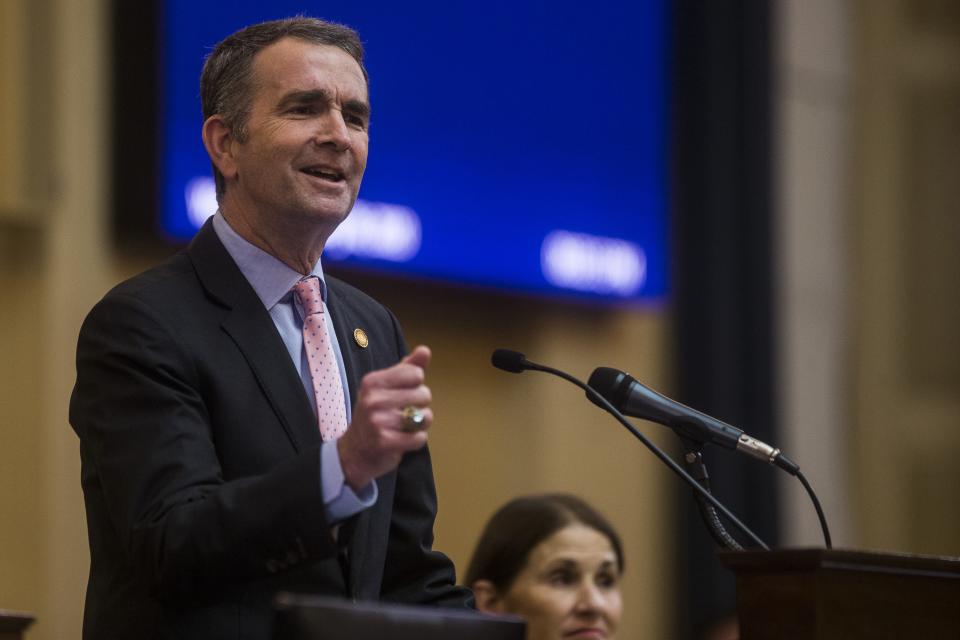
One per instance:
[(693, 458)]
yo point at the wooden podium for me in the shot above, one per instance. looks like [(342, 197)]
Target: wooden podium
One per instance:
[(819, 594), (13, 624)]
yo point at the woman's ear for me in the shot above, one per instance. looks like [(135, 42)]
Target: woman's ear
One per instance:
[(488, 600)]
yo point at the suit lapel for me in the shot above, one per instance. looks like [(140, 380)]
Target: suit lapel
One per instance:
[(251, 328), (358, 361)]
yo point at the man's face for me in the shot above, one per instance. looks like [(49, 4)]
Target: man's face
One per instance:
[(306, 144)]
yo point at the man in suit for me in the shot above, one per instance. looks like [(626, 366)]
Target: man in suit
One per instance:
[(247, 424)]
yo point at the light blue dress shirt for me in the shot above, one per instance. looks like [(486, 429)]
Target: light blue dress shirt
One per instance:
[(273, 281)]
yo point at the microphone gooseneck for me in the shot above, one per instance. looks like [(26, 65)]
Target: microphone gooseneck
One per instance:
[(639, 401), (516, 362)]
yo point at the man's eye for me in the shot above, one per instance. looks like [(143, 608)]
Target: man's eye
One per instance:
[(302, 110), (355, 121)]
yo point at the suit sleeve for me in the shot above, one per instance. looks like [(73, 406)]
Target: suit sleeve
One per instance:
[(150, 465)]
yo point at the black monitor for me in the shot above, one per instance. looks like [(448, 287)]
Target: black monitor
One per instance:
[(303, 617)]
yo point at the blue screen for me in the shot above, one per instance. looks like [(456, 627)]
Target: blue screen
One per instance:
[(520, 145)]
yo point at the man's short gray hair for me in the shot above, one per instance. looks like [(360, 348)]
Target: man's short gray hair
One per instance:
[(225, 83)]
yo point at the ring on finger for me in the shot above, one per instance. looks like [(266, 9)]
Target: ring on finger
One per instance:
[(413, 419)]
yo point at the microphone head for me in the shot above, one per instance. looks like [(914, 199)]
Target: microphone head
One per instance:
[(509, 360), (610, 383)]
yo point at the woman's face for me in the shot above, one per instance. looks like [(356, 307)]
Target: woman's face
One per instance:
[(569, 588)]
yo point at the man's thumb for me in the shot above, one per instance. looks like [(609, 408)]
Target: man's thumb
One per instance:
[(420, 356)]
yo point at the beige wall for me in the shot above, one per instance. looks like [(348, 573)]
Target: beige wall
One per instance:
[(812, 103), (868, 149), (497, 435), (54, 264), (906, 354)]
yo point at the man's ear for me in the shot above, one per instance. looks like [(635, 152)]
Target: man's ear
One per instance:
[(218, 139), (488, 600)]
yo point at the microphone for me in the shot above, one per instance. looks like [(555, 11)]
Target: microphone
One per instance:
[(516, 362), (639, 401), (511, 361)]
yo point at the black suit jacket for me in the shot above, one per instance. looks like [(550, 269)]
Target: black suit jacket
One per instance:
[(200, 462)]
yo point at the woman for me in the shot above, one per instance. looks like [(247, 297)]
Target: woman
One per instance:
[(553, 560)]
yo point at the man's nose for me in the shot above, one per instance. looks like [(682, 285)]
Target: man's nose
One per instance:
[(332, 130)]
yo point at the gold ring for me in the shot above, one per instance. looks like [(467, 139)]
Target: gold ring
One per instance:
[(413, 419)]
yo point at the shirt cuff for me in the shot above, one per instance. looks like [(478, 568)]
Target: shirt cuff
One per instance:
[(339, 500)]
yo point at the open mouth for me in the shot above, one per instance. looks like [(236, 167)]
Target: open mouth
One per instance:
[(329, 175)]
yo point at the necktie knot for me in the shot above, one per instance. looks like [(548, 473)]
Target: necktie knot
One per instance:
[(308, 293)]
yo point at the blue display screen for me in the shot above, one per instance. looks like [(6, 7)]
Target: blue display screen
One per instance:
[(520, 145)]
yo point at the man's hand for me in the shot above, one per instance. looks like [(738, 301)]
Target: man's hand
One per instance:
[(376, 439)]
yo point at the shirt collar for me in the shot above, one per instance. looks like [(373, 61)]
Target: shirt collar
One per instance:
[(270, 278)]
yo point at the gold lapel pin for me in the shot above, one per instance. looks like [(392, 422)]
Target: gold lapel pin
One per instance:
[(361, 338)]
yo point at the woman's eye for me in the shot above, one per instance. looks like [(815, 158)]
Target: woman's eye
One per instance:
[(607, 580), (562, 578)]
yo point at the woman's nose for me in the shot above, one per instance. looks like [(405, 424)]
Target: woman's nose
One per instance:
[(590, 597)]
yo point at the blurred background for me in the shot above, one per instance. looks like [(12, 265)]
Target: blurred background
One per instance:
[(809, 177)]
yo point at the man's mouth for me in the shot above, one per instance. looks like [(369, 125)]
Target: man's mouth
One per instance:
[(331, 175)]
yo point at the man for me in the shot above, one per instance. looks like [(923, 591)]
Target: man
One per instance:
[(248, 425)]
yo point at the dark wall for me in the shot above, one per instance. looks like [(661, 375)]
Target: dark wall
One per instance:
[(723, 274), (135, 116)]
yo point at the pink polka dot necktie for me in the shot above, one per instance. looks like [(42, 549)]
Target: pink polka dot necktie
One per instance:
[(327, 387)]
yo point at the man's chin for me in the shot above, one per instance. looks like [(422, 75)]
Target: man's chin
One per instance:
[(329, 210)]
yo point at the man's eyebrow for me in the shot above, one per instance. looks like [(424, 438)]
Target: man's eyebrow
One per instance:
[(356, 107), (303, 97)]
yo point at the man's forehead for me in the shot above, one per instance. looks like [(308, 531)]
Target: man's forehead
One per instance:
[(293, 64)]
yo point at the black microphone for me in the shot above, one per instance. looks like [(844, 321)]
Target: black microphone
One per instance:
[(516, 362), (512, 361), (639, 401)]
